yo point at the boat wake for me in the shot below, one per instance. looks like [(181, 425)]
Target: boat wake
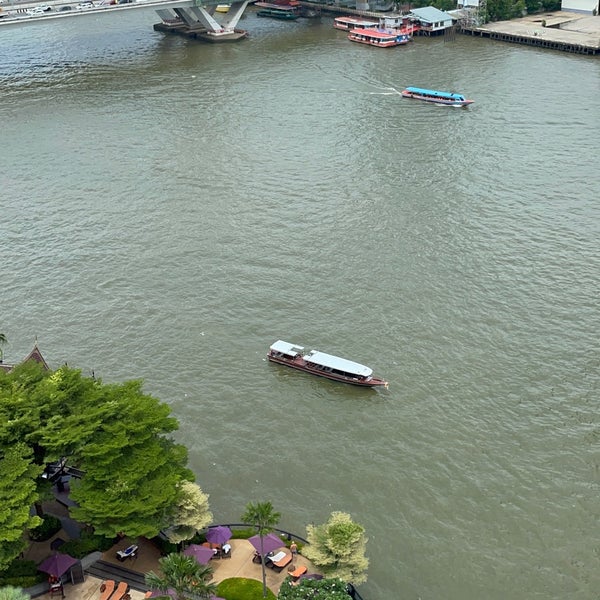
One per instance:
[(386, 91)]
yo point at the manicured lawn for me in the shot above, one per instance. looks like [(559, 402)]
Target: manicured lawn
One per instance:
[(238, 588)]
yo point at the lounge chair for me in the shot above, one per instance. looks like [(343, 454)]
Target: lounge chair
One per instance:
[(107, 588), (295, 574), (121, 591), (284, 561), (129, 552), (226, 551)]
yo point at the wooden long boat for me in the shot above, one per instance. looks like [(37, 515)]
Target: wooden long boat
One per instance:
[(323, 365), (351, 23), (379, 37), (447, 98)]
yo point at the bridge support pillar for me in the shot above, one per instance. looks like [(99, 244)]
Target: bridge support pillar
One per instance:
[(199, 22)]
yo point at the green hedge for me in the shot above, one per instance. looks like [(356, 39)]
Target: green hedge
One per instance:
[(21, 573), (86, 544), (49, 526)]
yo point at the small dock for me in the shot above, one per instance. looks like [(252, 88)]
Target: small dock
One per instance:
[(564, 31)]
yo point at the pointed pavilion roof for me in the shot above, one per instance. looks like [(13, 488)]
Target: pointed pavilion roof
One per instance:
[(34, 355)]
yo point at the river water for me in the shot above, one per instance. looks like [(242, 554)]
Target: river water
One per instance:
[(170, 208)]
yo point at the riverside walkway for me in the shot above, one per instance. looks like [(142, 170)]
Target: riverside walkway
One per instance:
[(561, 30)]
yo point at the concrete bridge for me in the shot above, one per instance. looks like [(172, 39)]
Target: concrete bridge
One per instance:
[(179, 16)]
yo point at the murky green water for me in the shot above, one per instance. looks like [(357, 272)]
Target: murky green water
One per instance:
[(168, 209)]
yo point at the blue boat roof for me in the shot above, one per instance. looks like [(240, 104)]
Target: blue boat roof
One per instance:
[(451, 95)]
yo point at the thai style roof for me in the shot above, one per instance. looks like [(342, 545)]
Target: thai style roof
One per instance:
[(34, 355), (431, 14), (337, 363)]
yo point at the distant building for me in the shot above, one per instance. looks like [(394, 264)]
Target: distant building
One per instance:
[(586, 7), (432, 19), (467, 4), (34, 355)]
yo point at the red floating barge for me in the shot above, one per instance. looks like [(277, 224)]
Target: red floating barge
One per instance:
[(323, 365)]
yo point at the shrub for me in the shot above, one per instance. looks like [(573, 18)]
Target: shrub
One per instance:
[(319, 589), (86, 544), (49, 526), (21, 573), (164, 545)]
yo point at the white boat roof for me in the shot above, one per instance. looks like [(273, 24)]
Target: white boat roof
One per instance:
[(286, 348), (335, 362)]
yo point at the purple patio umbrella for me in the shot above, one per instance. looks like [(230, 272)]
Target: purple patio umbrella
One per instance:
[(57, 564), (220, 534), (270, 542), (201, 553)]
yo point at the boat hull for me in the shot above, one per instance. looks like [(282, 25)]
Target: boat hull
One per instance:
[(378, 39), (443, 101), (301, 365), (274, 14)]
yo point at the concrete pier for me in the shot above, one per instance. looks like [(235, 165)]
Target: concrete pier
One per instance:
[(564, 31)]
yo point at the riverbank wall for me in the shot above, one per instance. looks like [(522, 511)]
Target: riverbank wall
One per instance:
[(564, 31)]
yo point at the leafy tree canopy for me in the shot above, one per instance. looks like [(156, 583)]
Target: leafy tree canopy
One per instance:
[(114, 432), (13, 593), (191, 513), (17, 494), (338, 548)]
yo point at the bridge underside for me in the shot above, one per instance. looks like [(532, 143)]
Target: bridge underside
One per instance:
[(199, 22)]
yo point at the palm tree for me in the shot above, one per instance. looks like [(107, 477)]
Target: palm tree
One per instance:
[(183, 575), (264, 518), (3, 341)]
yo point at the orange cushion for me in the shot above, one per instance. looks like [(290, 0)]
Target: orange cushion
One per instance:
[(299, 571)]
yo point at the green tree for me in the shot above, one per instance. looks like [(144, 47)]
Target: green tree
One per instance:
[(17, 494), (20, 413), (338, 548), (501, 10), (191, 513), (133, 470), (184, 575), (262, 516), (118, 435), (13, 593)]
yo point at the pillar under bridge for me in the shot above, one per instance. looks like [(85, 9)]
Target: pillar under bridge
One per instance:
[(200, 22)]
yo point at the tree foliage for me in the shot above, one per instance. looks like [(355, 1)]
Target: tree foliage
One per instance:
[(338, 548), (264, 518), (191, 513), (13, 593), (115, 433), (17, 494), (184, 575)]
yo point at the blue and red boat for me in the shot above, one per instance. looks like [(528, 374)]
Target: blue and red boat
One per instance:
[(447, 98)]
